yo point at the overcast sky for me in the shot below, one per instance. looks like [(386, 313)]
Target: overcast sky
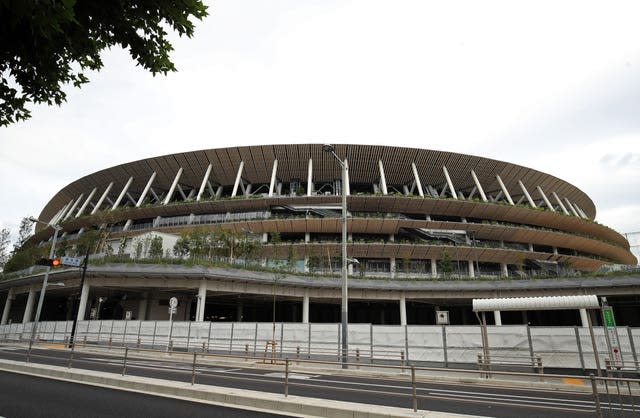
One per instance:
[(554, 86)]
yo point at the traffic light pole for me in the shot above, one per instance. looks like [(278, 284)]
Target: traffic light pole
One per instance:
[(45, 281), (75, 314)]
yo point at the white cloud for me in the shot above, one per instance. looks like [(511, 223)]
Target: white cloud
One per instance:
[(550, 85)]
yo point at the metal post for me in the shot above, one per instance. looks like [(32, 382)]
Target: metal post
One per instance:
[(286, 377), (209, 336), (345, 296), (444, 346), (414, 396), (596, 398), (593, 344), (44, 283), (579, 344), (231, 339), (193, 369), (75, 316), (124, 363), (188, 335)]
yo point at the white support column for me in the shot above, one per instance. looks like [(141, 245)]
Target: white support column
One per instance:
[(403, 310), (571, 208), (202, 299), (142, 307), (305, 307), (497, 317), (417, 177), (203, 185), (238, 179), (104, 196), (472, 270), (60, 214), (584, 318), (274, 172), (392, 267), (84, 297), (146, 190), (546, 201), (479, 186), (555, 196), (580, 211), (310, 178), (449, 183), (73, 207), (122, 193), (86, 202), (28, 310), (173, 186), (526, 193), (383, 178), (434, 268), (7, 307), (504, 190), (504, 270)]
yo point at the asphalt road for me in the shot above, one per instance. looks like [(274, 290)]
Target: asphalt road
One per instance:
[(35, 397), (473, 399)]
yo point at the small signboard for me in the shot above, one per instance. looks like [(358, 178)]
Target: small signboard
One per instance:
[(442, 317), (612, 334), (127, 315), (72, 261), (173, 302)]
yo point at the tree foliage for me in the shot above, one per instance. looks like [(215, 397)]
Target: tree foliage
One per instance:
[(5, 242), (45, 45)]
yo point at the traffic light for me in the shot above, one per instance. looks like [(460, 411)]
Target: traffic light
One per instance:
[(51, 262)]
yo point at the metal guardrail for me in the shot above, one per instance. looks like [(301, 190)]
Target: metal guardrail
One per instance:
[(613, 394)]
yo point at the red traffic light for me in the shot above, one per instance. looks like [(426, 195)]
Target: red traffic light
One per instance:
[(51, 262)]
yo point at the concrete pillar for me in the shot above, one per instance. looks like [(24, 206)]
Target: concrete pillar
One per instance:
[(392, 267), (7, 307), (584, 318), (531, 247), (28, 311), (497, 317), (472, 269), (434, 268), (305, 308), (505, 270), (202, 299), (403, 310), (84, 297), (142, 307)]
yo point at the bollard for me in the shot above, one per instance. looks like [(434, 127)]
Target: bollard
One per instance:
[(138, 344), (402, 359), (246, 352), (298, 354), (286, 377), (358, 358), (596, 398), (414, 396), (193, 369), (110, 341), (85, 340), (124, 363), (203, 346)]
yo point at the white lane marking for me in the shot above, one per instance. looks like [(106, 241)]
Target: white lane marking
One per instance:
[(291, 375)]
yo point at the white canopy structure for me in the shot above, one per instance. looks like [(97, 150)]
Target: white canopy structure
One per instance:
[(536, 303)]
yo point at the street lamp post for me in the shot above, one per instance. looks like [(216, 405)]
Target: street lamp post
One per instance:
[(52, 251), (345, 297)]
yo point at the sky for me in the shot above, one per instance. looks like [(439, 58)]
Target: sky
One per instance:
[(550, 85)]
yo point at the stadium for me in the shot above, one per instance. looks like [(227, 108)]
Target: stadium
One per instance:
[(244, 233)]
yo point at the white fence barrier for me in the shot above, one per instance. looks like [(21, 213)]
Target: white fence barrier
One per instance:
[(557, 346)]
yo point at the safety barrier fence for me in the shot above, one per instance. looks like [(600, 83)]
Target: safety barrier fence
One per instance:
[(556, 347), (609, 395)]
